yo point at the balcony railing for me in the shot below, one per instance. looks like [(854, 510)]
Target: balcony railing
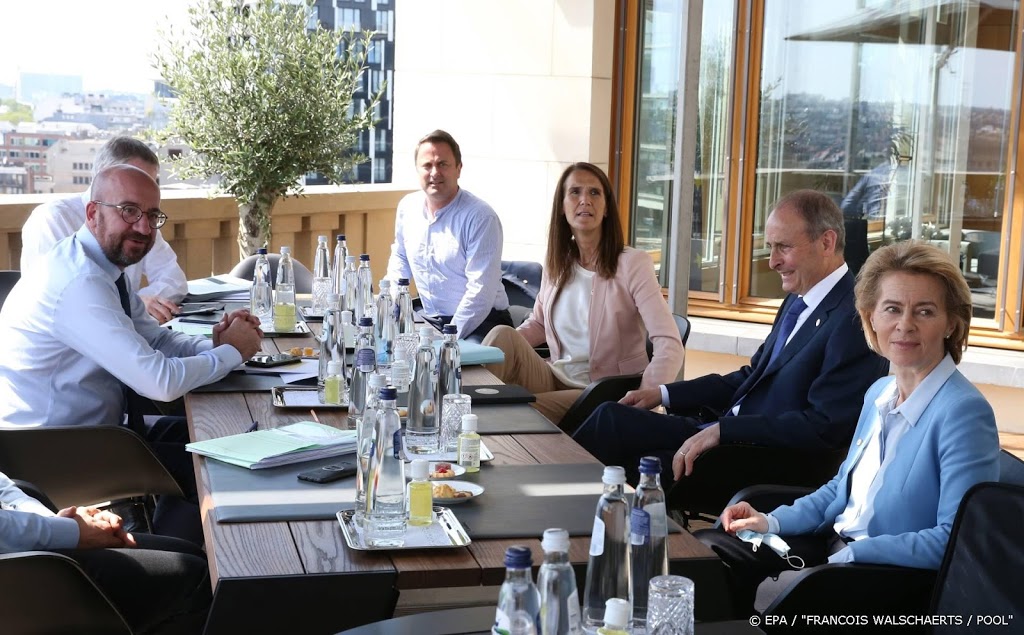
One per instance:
[(203, 230)]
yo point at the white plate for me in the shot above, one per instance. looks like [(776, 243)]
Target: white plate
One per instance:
[(457, 471), (465, 486)]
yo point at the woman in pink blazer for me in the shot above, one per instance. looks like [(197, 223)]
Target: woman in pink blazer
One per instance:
[(599, 301)]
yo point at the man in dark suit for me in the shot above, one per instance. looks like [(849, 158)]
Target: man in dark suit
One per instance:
[(804, 386)]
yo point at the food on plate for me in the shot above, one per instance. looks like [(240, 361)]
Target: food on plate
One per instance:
[(444, 490), (442, 470), (299, 351)]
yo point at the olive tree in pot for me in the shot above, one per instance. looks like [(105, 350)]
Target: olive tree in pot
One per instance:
[(264, 95)]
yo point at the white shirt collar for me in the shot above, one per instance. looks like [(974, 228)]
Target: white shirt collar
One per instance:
[(918, 401), (818, 292)]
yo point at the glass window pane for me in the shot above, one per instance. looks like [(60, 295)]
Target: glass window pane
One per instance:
[(901, 112)]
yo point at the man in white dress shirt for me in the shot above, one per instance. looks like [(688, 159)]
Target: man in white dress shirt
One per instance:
[(76, 344), (56, 220), (449, 242)]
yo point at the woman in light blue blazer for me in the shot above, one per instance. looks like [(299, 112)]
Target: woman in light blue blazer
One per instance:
[(924, 437)]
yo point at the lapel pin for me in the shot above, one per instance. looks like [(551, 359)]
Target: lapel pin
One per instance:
[(817, 323), (858, 442)]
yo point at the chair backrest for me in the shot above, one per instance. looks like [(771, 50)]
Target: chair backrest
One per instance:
[(521, 279), (49, 593), (62, 461), (683, 324), (982, 572), (7, 281), (303, 276), (1011, 469)]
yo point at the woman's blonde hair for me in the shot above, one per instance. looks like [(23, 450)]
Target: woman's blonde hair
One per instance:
[(922, 259)]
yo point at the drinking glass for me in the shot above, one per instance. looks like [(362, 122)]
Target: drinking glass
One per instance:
[(452, 408), (670, 606), (405, 347)]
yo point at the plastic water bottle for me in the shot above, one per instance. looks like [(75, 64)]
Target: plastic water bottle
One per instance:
[(332, 349), (403, 313), (364, 365), (449, 365), (559, 601), (350, 279), (384, 325), (346, 334), (518, 600), (385, 521), (422, 426), (364, 288), (338, 265), (321, 276), (261, 295), (284, 294), (364, 436), (648, 536), (608, 567)]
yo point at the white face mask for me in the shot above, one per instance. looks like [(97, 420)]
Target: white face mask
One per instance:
[(774, 542)]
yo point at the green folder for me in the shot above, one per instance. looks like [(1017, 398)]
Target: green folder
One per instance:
[(303, 441)]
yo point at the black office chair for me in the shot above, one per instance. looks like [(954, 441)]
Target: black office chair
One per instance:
[(521, 279), (7, 281), (611, 388), (47, 592), (980, 565), (62, 462), (303, 276)]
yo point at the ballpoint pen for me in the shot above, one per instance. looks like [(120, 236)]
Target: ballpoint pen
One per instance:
[(255, 426)]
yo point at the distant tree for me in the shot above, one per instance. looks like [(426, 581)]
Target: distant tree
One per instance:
[(12, 111), (264, 95)]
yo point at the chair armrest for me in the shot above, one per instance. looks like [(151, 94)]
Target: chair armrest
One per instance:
[(598, 392), (768, 497), (726, 469), (854, 589)]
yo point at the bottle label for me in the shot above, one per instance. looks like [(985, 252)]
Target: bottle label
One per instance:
[(469, 452), (573, 612), (659, 520), (397, 443), (640, 526), (597, 537)]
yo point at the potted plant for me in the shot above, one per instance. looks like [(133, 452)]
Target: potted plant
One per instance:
[(264, 95)]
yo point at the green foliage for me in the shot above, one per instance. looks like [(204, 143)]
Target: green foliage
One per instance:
[(263, 101), (15, 112)]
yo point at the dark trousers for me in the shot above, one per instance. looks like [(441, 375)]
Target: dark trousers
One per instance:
[(497, 317), (620, 435), (161, 586), (746, 568)]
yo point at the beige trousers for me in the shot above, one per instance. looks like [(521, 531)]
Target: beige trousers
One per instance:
[(523, 366)]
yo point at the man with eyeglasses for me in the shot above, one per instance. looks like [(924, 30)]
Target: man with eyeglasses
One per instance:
[(55, 220), (77, 346)]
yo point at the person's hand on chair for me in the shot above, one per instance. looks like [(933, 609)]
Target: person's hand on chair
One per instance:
[(645, 398), (743, 516)]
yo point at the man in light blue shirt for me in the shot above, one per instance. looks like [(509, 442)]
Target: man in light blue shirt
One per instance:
[(449, 242)]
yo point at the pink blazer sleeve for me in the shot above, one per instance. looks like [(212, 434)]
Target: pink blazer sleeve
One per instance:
[(657, 319)]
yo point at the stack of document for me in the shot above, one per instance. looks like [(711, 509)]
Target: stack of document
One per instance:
[(303, 441), (473, 354), (222, 287)]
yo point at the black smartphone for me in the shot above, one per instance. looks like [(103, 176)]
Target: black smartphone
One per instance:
[(192, 320), (329, 473), (199, 309), (266, 360)]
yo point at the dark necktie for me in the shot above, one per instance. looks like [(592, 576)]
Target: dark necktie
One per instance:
[(788, 322), (132, 399)]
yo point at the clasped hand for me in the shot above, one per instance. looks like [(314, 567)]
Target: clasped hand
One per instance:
[(98, 528), (241, 330)]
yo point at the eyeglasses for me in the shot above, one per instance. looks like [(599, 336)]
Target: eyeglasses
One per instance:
[(132, 213)]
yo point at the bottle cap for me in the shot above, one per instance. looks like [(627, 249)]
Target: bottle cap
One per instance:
[(617, 613), (335, 368), (349, 259), (364, 257), (427, 331), (450, 329), (321, 239), (650, 465), (400, 372), (469, 423), (365, 358), (365, 321), (555, 540), (403, 282), (333, 299), (341, 238), (614, 475), (261, 250), (384, 284), (518, 557), (388, 393), (419, 468), (378, 380), (346, 316), (286, 250)]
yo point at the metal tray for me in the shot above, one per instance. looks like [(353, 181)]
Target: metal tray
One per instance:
[(301, 330), (444, 533), (302, 397)]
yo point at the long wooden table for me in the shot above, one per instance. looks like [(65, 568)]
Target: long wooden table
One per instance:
[(273, 576)]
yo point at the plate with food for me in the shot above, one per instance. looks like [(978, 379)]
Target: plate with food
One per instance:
[(441, 470), (305, 352), (455, 492)]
